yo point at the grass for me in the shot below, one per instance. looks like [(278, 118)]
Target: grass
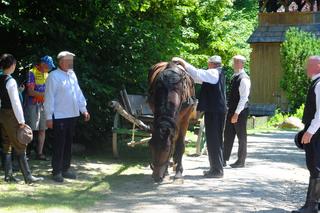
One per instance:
[(96, 180)]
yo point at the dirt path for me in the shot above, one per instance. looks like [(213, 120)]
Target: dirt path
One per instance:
[(274, 181)]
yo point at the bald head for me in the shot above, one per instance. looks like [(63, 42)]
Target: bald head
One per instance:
[(313, 66)]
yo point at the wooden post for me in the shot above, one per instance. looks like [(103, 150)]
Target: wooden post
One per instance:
[(115, 136), (199, 139)]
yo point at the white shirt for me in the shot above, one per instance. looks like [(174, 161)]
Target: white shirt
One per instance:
[(315, 123), (63, 96), (200, 75), (244, 91), (12, 88)]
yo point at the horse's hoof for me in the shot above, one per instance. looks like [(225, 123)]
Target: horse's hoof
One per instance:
[(178, 180), (178, 176)]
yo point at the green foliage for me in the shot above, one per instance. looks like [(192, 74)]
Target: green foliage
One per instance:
[(277, 119), (297, 47), (299, 112), (280, 117), (117, 41)]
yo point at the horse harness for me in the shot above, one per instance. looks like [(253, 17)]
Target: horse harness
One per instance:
[(181, 76)]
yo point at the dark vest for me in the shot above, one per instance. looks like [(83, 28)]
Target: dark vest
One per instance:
[(4, 96), (213, 96), (234, 95), (310, 107)]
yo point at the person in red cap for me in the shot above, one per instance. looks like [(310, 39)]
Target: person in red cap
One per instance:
[(34, 110)]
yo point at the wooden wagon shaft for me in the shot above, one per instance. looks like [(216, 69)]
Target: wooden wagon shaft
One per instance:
[(117, 106), (142, 141)]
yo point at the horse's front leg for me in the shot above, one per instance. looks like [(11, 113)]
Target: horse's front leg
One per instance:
[(177, 156), (180, 144)]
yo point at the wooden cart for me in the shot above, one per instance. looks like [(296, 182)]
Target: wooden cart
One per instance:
[(133, 118)]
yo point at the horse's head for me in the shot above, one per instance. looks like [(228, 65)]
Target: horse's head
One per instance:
[(167, 99), (161, 147)]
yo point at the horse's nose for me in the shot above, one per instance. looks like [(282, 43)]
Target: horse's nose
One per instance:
[(158, 179)]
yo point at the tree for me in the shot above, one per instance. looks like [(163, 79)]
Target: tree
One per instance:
[(297, 47)]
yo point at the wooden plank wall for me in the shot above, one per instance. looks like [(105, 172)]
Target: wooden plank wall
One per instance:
[(288, 18), (266, 72)]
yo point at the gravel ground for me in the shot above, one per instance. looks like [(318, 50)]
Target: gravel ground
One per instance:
[(274, 181)]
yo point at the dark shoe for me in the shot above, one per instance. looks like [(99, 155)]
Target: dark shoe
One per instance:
[(237, 165), (8, 173), (224, 163), (207, 172), (41, 157), (69, 175), (213, 174), (58, 178), (313, 195), (24, 166)]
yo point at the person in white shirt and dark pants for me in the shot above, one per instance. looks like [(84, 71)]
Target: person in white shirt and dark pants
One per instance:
[(64, 101), (311, 136), (212, 102), (238, 112)]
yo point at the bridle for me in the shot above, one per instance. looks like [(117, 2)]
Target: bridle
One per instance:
[(187, 98)]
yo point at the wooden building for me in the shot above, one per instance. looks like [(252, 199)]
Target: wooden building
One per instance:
[(265, 65)]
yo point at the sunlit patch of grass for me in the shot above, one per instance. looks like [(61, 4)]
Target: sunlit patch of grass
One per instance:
[(96, 179)]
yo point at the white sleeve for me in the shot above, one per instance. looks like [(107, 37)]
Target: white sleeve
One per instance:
[(49, 97), (315, 123), (82, 103), (200, 75), (244, 91), (15, 100)]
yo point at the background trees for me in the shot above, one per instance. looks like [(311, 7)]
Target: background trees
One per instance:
[(116, 41)]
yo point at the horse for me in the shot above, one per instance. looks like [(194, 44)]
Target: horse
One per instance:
[(172, 100)]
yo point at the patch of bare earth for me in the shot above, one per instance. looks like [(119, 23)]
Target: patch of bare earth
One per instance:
[(274, 181)]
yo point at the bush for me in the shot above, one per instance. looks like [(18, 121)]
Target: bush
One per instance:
[(277, 119), (297, 47), (299, 112)]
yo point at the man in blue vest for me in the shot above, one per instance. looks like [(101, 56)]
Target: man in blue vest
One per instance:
[(212, 102), (236, 122), (311, 137)]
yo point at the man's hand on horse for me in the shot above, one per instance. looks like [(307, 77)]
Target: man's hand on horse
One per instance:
[(234, 118), (179, 61), (306, 138), (86, 116)]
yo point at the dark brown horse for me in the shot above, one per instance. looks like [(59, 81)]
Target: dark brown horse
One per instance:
[(171, 98)]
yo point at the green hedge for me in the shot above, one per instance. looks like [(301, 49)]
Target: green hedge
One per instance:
[(298, 46)]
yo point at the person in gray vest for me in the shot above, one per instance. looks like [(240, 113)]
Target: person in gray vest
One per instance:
[(311, 136), (212, 102), (237, 116)]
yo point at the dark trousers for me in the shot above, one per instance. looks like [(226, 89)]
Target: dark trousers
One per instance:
[(230, 132), (63, 137), (313, 155), (214, 125)]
